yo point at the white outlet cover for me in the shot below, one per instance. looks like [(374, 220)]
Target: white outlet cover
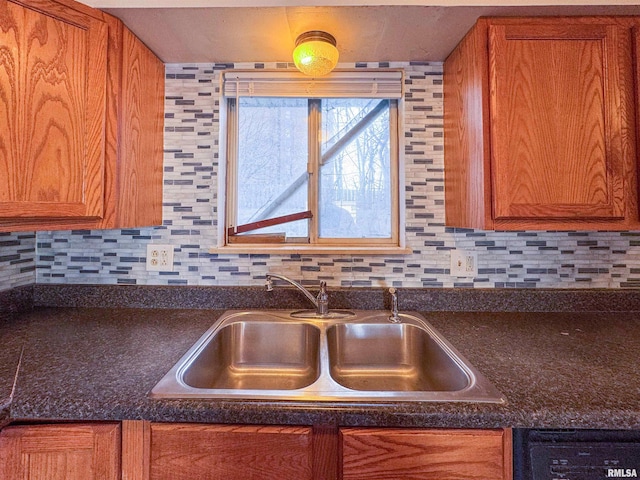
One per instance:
[(159, 258), (464, 263)]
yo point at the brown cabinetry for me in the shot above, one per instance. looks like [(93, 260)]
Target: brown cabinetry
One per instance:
[(135, 129), (230, 452), (81, 102), (178, 451), (52, 103), (377, 454), (60, 452), (140, 450), (539, 125)]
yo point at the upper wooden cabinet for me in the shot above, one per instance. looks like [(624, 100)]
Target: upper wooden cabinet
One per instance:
[(81, 105), (135, 132), (53, 71), (539, 126)]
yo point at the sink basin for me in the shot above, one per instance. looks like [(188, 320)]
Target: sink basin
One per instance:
[(257, 356), (398, 357), (360, 357)]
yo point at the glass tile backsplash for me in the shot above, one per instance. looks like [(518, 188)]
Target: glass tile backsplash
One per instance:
[(191, 162)]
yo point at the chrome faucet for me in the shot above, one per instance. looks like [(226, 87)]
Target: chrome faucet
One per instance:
[(321, 301), (394, 317)]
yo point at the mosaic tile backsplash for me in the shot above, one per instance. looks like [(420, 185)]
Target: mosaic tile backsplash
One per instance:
[(505, 259), (17, 259)]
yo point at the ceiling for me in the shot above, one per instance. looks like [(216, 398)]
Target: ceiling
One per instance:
[(364, 33)]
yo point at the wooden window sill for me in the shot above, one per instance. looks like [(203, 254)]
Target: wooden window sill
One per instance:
[(292, 248)]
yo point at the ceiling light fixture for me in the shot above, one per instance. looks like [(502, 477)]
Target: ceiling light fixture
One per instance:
[(315, 53)]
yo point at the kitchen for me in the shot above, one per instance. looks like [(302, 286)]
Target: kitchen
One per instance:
[(535, 260)]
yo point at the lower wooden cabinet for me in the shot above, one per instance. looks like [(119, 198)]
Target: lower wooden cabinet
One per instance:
[(230, 452), (327, 453), (60, 452), (416, 454), (140, 450)]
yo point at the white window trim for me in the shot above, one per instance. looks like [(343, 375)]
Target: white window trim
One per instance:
[(361, 247)]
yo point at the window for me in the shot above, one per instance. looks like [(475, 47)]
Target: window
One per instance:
[(312, 161)]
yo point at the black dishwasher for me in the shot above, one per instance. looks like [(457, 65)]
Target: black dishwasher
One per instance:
[(575, 454)]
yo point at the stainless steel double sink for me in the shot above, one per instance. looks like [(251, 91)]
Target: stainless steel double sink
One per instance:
[(362, 357)]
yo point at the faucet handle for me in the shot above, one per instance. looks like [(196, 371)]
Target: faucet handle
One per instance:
[(394, 317), (322, 299)]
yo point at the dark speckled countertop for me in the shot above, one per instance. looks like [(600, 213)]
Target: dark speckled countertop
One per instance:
[(556, 369)]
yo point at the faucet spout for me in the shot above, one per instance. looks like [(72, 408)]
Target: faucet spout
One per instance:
[(321, 302)]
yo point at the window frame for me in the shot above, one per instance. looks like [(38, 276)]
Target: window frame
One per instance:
[(227, 197)]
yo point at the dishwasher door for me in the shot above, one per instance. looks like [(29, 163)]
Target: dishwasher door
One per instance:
[(576, 454)]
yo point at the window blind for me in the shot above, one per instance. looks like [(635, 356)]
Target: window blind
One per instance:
[(338, 84)]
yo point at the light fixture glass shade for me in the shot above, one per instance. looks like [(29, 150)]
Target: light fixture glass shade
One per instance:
[(315, 53)]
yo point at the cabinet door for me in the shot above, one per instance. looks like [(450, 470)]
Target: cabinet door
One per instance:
[(230, 452), (60, 452), (556, 126), (141, 136), (412, 454), (52, 111), (134, 134)]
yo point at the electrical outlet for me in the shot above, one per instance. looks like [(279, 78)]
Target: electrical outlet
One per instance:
[(464, 263), (159, 258)]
